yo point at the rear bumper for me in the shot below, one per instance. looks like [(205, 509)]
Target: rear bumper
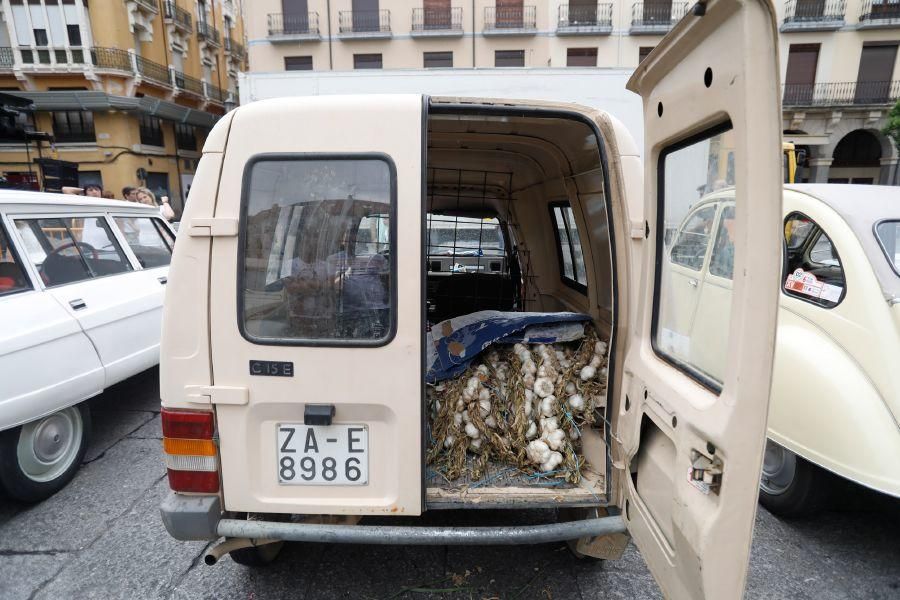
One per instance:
[(191, 517), (421, 536)]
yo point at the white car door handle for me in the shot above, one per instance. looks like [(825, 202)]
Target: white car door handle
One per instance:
[(692, 282), (77, 304), (163, 280)]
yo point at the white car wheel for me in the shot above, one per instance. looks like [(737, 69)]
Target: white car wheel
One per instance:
[(779, 469), (48, 447)]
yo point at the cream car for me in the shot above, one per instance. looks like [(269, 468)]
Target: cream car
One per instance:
[(295, 362), (836, 393), (82, 282)]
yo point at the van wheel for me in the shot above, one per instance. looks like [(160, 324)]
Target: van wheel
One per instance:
[(791, 486), (38, 459), (257, 556)]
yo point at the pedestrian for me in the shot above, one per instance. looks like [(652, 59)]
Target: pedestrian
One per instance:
[(165, 210), (129, 193), (145, 196), (93, 190), (109, 195)]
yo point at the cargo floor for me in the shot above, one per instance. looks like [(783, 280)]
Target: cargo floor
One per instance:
[(503, 486)]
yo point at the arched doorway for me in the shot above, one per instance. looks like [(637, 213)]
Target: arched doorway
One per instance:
[(856, 158)]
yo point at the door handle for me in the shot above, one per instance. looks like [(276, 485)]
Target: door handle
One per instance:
[(692, 282), (163, 280), (77, 304)]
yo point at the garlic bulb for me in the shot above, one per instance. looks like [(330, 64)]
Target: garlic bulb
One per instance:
[(538, 451), (491, 422), (570, 388), (600, 348), (555, 439), (532, 431), (528, 381), (549, 424), (475, 444), (449, 440), (576, 402), (472, 431), (554, 460), (587, 373), (484, 408), (543, 387), (596, 361), (484, 395), (529, 367), (458, 419), (482, 373), (548, 406)]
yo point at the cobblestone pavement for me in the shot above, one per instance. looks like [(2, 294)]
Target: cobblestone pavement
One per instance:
[(101, 537)]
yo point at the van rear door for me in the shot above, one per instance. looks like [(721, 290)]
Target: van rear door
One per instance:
[(317, 306), (692, 435)]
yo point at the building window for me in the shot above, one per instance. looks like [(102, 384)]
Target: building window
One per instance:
[(151, 131), (509, 58), (185, 137), (366, 61), (73, 126), (438, 60), (74, 33), (644, 52), (581, 57), (298, 63), (40, 37)]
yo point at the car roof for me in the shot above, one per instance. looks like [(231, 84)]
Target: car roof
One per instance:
[(25, 197), (870, 203)]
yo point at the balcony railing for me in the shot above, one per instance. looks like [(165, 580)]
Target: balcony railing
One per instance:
[(179, 16), (507, 19), (841, 94), (281, 25), (585, 19), (656, 17), (235, 49), (813, 15), (153, 71), (7, 58), (188, 83), (111, 58), (209, 34), (365, 21), (214, 93), (875, 13), (437, 20), (148, 5)]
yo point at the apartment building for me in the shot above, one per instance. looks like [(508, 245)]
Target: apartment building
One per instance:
[(121, 92), (839, 64)]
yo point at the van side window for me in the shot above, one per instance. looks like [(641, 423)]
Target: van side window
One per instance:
[(691, 312), (568, 246), (689, 248), (318, 251), (146, 238), (12, 275), (814, 271), (70, 249), (722, 262)]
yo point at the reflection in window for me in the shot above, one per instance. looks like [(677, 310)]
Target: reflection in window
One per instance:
[(12, 274), (317, 251), (690, 326), (148, 239)]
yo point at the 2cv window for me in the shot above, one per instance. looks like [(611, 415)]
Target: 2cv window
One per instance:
[(318, 259), (814, 272)]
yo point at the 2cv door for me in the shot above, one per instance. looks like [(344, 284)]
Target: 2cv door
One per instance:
[(692, 435), (316, 318)]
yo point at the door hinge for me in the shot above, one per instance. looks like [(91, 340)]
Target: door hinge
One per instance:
[(215, 227), (216, 394), (705, 473)]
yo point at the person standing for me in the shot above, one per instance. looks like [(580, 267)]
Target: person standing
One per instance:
[(129, 193), (93, 190), (145, 196)]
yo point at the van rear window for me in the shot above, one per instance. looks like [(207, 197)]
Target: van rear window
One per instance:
[(318, 238)]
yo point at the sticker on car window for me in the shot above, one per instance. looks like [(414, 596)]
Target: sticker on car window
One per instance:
[(808, 284)]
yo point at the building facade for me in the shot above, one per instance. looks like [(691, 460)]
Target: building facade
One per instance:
[(839, 57), (124, 90)]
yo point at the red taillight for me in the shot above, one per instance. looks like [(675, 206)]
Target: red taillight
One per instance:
[(191, 456), (187, 424), (194, 481)]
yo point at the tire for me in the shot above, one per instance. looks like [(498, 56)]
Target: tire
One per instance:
[(39, 458), (791, 486), (257, 556)]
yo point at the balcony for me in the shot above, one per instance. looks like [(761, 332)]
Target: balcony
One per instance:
[(584, 20), (850, 93), (510, 20), (208, 34), (149, 6), (214, 93), (879, 14), (112, 59), (364, 24), (7, 58), (437, 22), (49, 59), (177, 16), (153, 71), (655, 18), (294, 28), (235, 49), (186, 83), (813, 15)]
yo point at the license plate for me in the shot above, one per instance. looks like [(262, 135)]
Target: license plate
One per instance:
[(323, 455)]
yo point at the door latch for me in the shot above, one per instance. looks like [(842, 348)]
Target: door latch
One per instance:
[(705, 473)]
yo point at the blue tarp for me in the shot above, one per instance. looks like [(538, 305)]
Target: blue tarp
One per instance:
[(454, 343)]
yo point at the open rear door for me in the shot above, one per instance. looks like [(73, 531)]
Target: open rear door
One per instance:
[(691, 434)]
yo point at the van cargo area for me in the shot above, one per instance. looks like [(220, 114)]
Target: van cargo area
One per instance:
[(517, 221)]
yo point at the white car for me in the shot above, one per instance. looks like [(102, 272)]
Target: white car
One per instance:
[(82, 282), (835, 403)]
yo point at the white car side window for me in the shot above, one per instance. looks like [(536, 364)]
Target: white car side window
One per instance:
[(814, 271)]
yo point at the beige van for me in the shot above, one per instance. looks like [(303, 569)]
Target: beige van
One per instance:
[(305, 294)]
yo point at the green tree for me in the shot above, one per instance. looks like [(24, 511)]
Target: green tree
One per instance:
[(892, 129)]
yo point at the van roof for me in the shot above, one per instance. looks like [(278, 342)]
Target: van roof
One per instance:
[(16, 197)]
